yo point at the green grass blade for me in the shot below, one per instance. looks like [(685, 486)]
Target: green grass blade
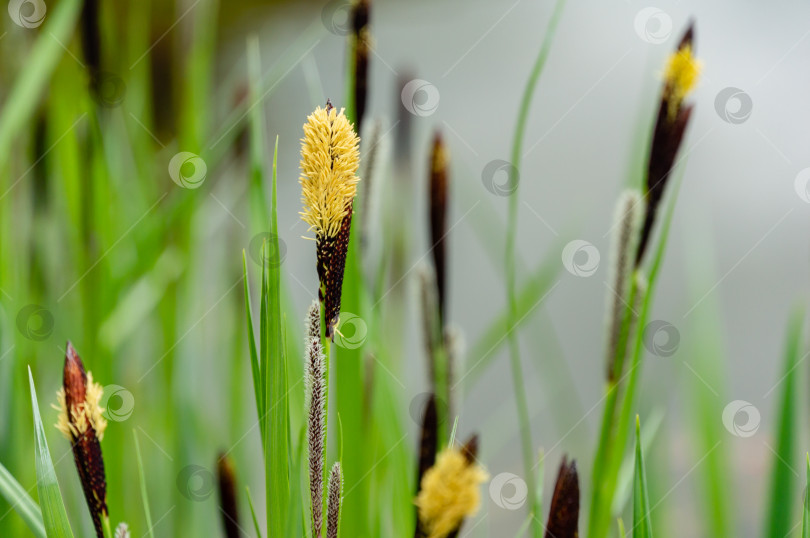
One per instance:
[(510, 266), (277, 459), (21, 502), (54, 515), (782, 477), (253, 513), (255, 367), (144, 494), (642, 525), (806, 508)]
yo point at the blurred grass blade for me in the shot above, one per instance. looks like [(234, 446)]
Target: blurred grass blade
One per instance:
[(54, 515), (253, 513), (35, 73), (806, 508), (782, 477), (144, 494), (21, 502), (642, 525)]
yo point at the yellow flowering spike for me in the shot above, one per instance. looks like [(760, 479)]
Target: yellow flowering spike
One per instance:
[(330, 157), (449, 492), (681, 76)]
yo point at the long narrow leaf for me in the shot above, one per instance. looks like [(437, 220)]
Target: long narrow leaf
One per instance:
[(144, 494), (806, 508), (783, 480), (253, 514), (277, 459), (255, 367), (642, 525), (21, 502), (54, 515)]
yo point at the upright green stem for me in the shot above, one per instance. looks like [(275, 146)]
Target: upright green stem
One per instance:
[(602, 498), (511, 232)]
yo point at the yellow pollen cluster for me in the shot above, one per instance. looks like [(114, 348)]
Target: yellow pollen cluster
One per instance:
[(681, 76), (88, 413), (449, 493), (329, 160)]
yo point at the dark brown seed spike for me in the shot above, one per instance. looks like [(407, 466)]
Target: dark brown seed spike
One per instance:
[(427, 451), (226, 477), (564, 512)]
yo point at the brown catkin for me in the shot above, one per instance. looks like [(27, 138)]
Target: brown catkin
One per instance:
[(438, 193), (564, 512), (226, 479), (627, 218), (316, 428), (81, 422), (428, 444), (334, 500), (313, 322), (670, 126)]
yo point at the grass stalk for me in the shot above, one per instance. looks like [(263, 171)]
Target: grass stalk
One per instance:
[(511, 235)]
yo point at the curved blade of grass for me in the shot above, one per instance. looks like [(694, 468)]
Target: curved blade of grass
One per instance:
[(642, 525), (622, 533), (255, 367), (33, 79), (142, 479), (253, 513), (806, 508), (21, 502), (511, 233), (782, 479), (54, 515)]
